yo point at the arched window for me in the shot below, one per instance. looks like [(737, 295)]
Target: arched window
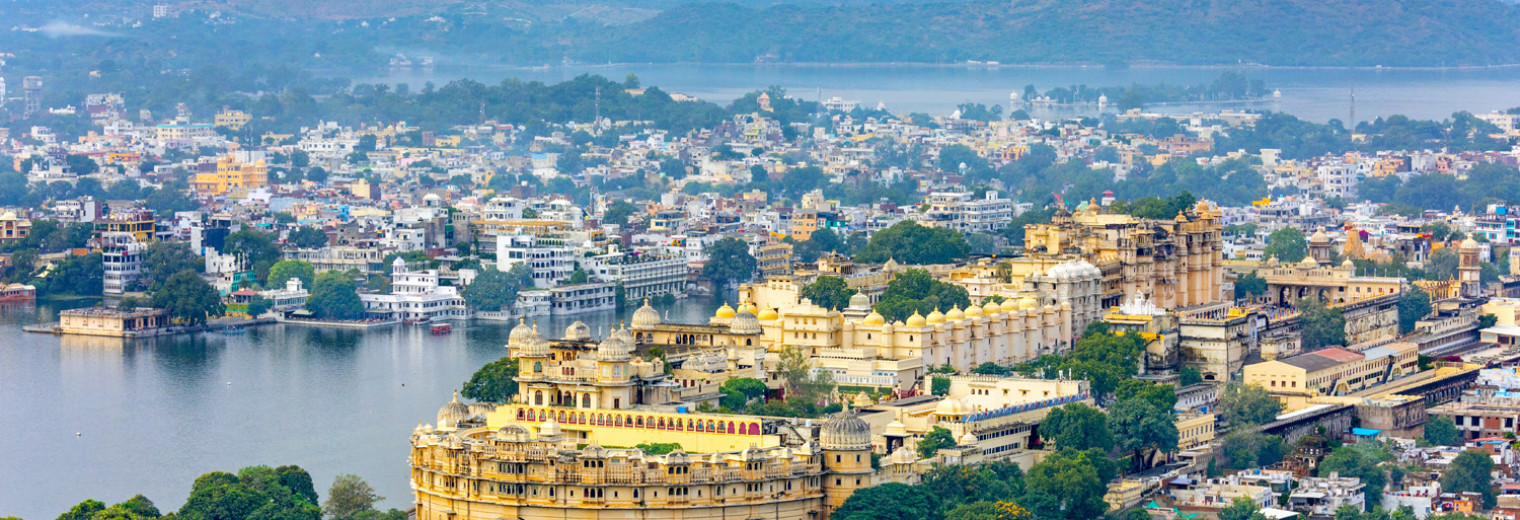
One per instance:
[(638, 422), (520, 414), (538, 367), (585, 400), (538, 398)]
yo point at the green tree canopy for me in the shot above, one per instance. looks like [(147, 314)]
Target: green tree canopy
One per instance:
[(915, 290), (495, 382), (1441, 431), (307, 238), (739, 391), (1248, 285), (188, 298), (283, 270), (1414, 305), (1073, 478), (1078, 426), (1470, 472), (829, 292), (1242, 404), (494, 290), (618, 213), (909, 243), (891, 501), (938, 438), (728, 262), (1246, 447), (335, 296), (1140, 427), (1287, 245), (254, 247), (1322, 326), (255, 492), (163, 259), (349, 497), (1361, 460)]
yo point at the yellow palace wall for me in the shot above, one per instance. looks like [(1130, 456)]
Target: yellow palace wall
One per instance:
[(697, 433)]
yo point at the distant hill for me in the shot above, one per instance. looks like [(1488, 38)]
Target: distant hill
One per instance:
[(1395, 33), (1273, 32)]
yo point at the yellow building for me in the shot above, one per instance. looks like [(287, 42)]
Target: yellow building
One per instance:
[(232, 176), (1332, 372), (1176, 262), (140, 223), (234, 119), (101, 321), (550, 454), (13, 228), (1194, 430)]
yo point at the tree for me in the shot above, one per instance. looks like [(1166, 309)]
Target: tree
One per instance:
[(1360, 460), (909, 243), (334, 296), (802, 382), (494, 290), (578, 276), (985, 510), (76, 275), (1441, 431), (1442, 265), (1414, 305), (1241, 509), (254, 247), (1322, 326), (1487, 320), (1243, 404), (495, 382), (84, 510), (136, 508), (1287, 245), (348, 497), (1246, 447), (163, 259), (938, 438), (258, 305), (1470, 472), (1073, 480), (890, 501), (307, 238), (1248, 285), (728, 261), (658, 448), (1189, 376), (1163, 396), (1078, 426), (283, 270), (915, 290), (188, 298), (829, 292), (1141, 427), (739, 391), (274, 493), (618, 213)]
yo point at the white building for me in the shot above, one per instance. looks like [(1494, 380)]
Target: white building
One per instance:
[(1337, 180), (551, 260), (415, 295), (292, 297), (122, 256), (961, 211), (1321, 496)]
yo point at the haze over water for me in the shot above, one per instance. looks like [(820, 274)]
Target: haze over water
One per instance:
[(152, 415), (1314, 94)]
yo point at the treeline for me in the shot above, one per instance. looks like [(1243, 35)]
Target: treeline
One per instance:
[(253, 493), (1230, 85)]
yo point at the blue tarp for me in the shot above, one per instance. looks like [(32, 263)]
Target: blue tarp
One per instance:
[(1365, 432)]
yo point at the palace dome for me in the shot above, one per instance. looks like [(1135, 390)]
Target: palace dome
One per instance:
[(646, 317), (860, 301), (916, 320), (955, 314), (991, 308), (972, 311), (845, 431), (1009, 306), (768, 314), (452, 413), (578, 331), (612, 348), (875, 318), (745, 322), (1308, 261), (749, 306), (724, 312), (520, 335), (1028, 302), (968, 439), (1469, 243), (935, 317), (549, 428)]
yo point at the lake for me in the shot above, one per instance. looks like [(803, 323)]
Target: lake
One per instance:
[(107, 419), (1314, 94)]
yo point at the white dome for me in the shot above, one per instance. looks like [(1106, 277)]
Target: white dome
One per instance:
[(969, 439), (578, 331), (860, 301), (612, 349), (549, 428), (845, 431), (646, 317), (744, 322), (452, 413)]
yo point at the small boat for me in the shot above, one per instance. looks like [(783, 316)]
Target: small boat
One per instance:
[(232, 330), (442, 329), (18, 293)]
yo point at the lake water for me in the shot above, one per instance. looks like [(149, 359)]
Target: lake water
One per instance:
[(151, 415), (1313, 94)]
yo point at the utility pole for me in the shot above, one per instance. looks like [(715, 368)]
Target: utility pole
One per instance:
[(1351, 122)]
